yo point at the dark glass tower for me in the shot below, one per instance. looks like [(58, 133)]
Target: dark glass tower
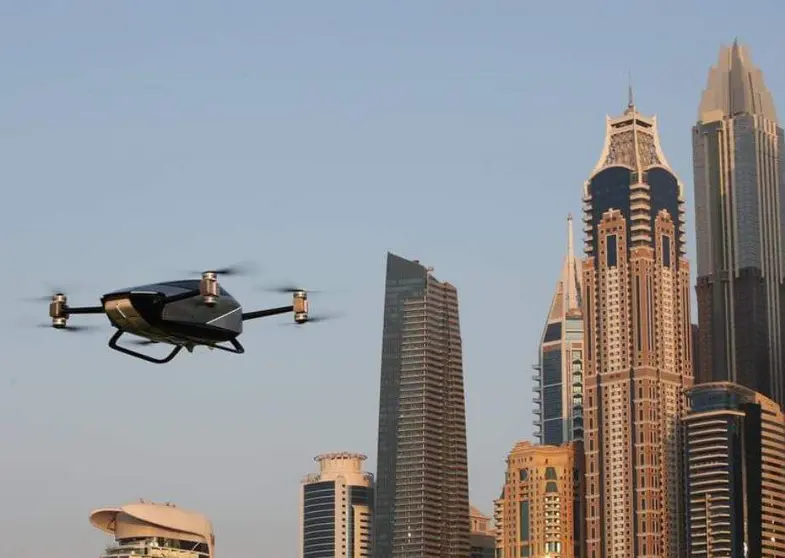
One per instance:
[(739, 168), (422, 486)]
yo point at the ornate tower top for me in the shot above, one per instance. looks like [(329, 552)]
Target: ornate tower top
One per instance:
[(632, 141)]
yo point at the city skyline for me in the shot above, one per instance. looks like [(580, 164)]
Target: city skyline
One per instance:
[(317, 127)]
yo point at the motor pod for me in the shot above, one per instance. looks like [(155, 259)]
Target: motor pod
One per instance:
[(300, 304), (57, 310), (208, 288)]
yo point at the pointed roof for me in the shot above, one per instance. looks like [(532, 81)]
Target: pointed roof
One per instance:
[(632, 141), (566, 298), (735, 86)]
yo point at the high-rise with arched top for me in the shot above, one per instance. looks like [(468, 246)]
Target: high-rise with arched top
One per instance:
[(637, 335)]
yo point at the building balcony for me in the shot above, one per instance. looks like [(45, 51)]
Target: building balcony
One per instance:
[(149, 548)]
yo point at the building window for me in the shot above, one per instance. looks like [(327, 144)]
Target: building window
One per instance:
[(611, 247), (666, 251)]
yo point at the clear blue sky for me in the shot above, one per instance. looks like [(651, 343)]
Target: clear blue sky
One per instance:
[(142, 138)]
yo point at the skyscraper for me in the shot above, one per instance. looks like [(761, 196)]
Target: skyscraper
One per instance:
[(538, 514), (558, 380), (336, 508), (638, 345), (735, 450), (739, 170), (422, 486)]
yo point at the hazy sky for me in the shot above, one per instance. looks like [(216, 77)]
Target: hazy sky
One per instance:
[(140, 139)]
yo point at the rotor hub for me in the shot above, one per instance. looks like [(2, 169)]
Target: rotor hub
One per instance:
[(208, 287), (57, 311), (300, 306)]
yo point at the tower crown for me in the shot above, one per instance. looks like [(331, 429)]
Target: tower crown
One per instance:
[(632, 141), (735, 86)]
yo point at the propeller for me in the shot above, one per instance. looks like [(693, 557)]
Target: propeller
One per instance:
[(238, 269), (76, 328), (286, 288), (317, 318), (45, 298)]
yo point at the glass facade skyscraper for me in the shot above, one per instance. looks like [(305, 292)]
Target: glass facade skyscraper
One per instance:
[(739, 171), (558, 377), (422, 485)]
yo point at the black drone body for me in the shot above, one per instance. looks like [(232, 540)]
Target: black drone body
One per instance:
[(185, 314)]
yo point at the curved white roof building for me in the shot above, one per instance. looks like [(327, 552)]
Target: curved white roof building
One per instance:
[(155, 530)]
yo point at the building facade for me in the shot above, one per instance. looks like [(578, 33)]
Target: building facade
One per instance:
[(735, 455), (482, 536), (638, 345), (150, 530), (739, 171), (538, 512), (558, 377), (422, 494), (336, 508)]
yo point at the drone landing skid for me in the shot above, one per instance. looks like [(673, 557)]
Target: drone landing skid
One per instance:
[(116, 337), (236, 348)]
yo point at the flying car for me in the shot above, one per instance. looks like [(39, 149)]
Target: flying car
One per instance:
[(185, 314)]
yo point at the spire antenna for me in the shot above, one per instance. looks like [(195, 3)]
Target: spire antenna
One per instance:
[(630, 97)]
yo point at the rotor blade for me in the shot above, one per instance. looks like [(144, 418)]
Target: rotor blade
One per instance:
[(42, 298), (286, 288), (238, 269), (46, 298), (71, 328), (316, 319), (324, 317)]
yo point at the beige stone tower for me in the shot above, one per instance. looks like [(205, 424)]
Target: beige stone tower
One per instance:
[(535, 513), (638, 350), (336, 508)]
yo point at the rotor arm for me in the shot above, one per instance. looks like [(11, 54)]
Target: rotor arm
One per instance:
[(268, 312), (84, 310)]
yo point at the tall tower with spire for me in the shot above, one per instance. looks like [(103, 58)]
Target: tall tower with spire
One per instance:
[(558, 376), (637, 359), (739, 172)]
